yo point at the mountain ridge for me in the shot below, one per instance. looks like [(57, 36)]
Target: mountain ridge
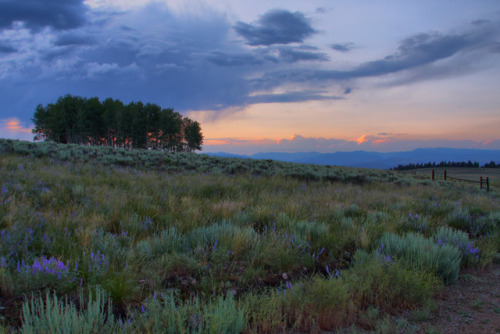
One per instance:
[(378, 160)]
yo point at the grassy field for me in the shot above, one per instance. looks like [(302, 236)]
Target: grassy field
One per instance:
[(96, 240), (460, 172), (471, 174)]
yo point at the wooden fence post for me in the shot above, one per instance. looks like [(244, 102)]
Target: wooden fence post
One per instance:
[(433, 175), (487, 184), (445, 175), (481, 182)]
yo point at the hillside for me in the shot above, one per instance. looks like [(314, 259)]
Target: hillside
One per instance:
[(117, 241), (180, 162)]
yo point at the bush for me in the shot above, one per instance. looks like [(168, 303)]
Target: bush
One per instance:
[(475, 224), (460, 240), (46, 273), (165, 314), (388, 284), (51, 315), (265, 312), (325, 303), (414, 223), (423, 254)]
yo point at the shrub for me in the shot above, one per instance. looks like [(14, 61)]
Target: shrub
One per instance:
[(46, 273), (423, 254), (51, 315), (460, 240), (226, 235), (163, 313), (475, 224), (320, 302), (386, 283), (167, 242), (304, 232), (414, 223), (265, 312)]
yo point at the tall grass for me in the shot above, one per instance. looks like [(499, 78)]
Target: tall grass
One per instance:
[(53, 315)]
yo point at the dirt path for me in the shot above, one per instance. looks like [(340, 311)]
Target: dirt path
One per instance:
[(470, 306)]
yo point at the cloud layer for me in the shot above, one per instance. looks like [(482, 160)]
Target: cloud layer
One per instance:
[(216, 61), (277, 26), (35, 14), (376, 143)]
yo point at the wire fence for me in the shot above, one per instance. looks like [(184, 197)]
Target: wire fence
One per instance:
[(482, 180)]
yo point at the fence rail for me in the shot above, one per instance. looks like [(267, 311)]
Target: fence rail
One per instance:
[(481, 181)]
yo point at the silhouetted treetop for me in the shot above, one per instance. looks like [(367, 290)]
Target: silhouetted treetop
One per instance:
[(88, 121)]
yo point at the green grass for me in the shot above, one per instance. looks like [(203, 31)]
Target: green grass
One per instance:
[(191, 243)]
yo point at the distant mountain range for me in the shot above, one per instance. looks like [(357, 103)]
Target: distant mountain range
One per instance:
[(366, 159)]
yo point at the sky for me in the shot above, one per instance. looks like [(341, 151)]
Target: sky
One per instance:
[(267, 75)]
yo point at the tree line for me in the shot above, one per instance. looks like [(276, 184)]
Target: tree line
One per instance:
[(468, 164), (88, 121)]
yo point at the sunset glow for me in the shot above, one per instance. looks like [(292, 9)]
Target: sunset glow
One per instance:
[(14, 125)]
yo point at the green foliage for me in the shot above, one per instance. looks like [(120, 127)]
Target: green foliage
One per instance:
[(52, 315), (460, 240), (172, 160), (414, 223), (268, 253), (325, 303), (475, 223), (164, 314), (77, 120), (265, 312), (389, 284), (423, 254)]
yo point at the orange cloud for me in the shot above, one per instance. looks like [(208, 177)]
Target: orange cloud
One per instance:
[(238, 141), (216, 142), (14, 125), (361, 140), (383, 140)]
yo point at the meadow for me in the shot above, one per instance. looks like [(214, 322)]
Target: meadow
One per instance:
[(102, 240)]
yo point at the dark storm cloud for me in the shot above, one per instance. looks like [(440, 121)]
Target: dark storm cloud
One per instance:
[(176, 61), (481, 22), (293, 55), (74, 39), (225, 59), (5, 48), (276, 27), (495, 47), (292, 97), (285, 54), (36, 14), (345, 47), (415, 52)]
